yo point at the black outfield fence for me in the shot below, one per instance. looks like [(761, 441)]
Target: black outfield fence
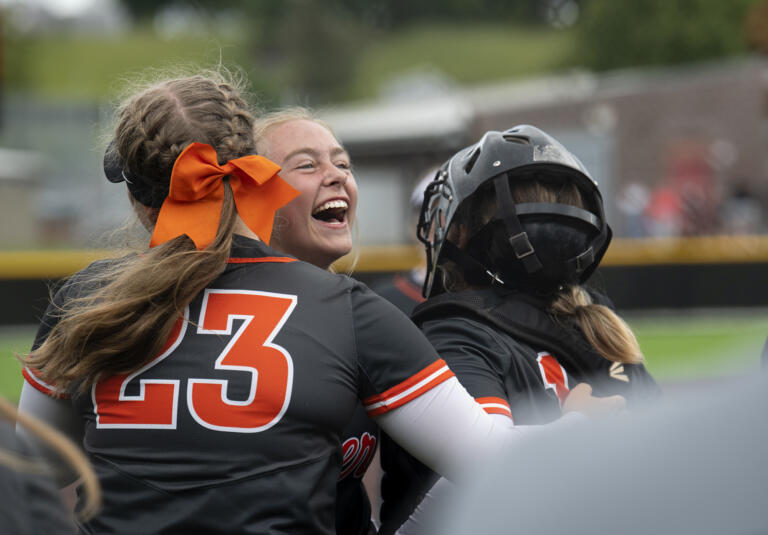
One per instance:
[(712, 272)]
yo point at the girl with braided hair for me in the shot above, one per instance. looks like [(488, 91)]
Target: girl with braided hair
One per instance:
[(209, 377)]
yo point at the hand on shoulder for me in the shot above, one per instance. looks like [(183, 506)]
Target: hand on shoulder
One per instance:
[(580, 399)]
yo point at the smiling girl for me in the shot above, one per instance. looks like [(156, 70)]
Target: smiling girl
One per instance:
[(316, 226)]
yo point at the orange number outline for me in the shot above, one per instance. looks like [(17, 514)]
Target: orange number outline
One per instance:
[(195, 385), (118, 410)]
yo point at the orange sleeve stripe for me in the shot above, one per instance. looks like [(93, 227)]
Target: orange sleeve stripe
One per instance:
[(260, 260), (494, 405), (38, 384), (411, 388)]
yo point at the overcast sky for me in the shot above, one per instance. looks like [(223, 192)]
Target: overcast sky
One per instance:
[(59, 7)]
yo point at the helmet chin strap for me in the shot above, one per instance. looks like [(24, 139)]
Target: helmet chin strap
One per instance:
[(474, 271), (518, 239)]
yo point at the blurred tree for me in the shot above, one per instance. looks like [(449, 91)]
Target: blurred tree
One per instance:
[(757, 27), (389, 14), (398, 13), (307, 51), (146, 9), (2, 64), (651, 32), (310, 48)]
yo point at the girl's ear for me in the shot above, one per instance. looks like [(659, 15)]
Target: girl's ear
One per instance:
[(458, 235), (463, 236), (146, 214)]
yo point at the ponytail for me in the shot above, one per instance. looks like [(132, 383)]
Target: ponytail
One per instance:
[(604, 329)]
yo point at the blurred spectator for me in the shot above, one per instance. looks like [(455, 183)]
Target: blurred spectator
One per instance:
[(685, 201), (663, 212), (741, 212), (632, 203), (692, 177)]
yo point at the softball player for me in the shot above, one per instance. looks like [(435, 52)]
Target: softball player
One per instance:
[(210, 377), (512, 226), (317, 227)]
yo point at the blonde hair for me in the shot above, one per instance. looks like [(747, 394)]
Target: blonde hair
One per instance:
[(261, 129), (285, 115), (135, 302), (59, 444), (605, 330)]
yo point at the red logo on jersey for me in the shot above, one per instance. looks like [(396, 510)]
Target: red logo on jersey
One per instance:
[(553, 375), (357, 454)]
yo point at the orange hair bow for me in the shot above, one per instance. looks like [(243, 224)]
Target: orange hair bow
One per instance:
[(196, 195)]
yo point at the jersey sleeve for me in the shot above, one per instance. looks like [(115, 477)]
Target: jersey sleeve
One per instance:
[(396, 362), (475, 355), (78, 284), (48, 322)]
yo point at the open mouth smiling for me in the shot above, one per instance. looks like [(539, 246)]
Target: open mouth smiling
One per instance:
[(334, 211)]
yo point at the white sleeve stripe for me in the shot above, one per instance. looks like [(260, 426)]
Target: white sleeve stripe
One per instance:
[(421, 384), (495, 406), (35, 378)]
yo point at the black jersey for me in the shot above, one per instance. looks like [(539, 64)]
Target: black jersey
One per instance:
[(509, 339), (236, 426), (404, 291), (353, 507), (515, 360)]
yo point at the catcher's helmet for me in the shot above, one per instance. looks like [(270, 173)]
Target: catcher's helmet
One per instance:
[(539, 245)]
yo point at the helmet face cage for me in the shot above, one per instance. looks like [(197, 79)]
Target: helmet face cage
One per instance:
[(434, 220), (522, 152)]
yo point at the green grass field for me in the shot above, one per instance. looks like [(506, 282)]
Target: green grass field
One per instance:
[(696, 345), (13, 340), (677, 346)]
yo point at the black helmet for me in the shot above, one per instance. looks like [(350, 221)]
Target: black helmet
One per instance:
[(538, 245)]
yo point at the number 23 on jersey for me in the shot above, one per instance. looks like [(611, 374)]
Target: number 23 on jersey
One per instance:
[(249, 350)]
